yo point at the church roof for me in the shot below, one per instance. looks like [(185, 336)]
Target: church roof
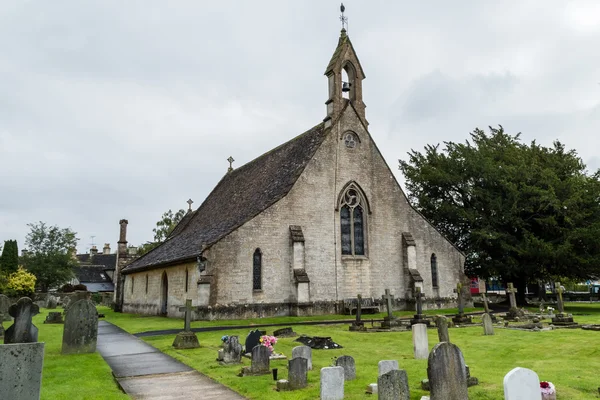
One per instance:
[(240, 195)]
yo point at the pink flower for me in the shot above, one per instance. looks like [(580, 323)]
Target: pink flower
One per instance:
[(547, 387)]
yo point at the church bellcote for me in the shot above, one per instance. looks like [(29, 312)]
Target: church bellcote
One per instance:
[(344, 75)]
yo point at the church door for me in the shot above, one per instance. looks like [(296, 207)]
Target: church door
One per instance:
[(164, 294)]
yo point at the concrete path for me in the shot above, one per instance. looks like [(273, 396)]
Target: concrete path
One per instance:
[(144, 372)]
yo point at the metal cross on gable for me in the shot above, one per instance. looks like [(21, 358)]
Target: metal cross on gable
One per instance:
[(190, 202), (188, 314)]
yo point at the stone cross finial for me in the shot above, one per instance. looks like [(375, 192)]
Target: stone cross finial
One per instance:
[(188, 314), (511, 295), (458, 291), (190, 202), (387, 297), (231, 160)]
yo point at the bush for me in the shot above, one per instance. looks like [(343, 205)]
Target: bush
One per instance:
[(80, 287), (20, 283), (97, 298), (67, 288)]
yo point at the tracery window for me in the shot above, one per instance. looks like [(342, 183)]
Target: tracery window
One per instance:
[(350, 140), (434, 271), (257, 270), (352, 220)]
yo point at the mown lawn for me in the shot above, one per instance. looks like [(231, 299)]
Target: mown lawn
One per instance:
[(568, 358)]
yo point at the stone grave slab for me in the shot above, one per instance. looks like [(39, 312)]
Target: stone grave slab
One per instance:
[(393, 385), (332, 383), (447, 373), (80, 334), (297, 373), (420, 341), (21, 370), (284, 332)]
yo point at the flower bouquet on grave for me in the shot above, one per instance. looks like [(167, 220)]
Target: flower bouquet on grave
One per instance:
[(224, 340), (548, 390), (268, 342)]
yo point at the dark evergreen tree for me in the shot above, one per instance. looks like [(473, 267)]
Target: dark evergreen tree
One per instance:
[(9, 260)]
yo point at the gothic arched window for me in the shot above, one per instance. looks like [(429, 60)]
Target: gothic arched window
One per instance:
[(352, 221), (434, 271), (132, 284), (257, 270), (146, 283), (186, 280)]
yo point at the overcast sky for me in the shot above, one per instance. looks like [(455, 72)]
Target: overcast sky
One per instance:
[(113, 109)]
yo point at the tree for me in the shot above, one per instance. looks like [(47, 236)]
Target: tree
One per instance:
[(50, 254), (20, 283), (519, 212), (163, 229), (9, 260)]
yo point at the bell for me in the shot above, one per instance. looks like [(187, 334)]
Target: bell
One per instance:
[(345, 87)]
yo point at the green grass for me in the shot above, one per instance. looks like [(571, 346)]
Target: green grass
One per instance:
[(75, 376), (568, 358)]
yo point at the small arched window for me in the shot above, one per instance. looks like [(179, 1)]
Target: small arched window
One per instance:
[(352, 221), (434, 271), (132, 284), (146, 283), (186, 279), (257, 270)]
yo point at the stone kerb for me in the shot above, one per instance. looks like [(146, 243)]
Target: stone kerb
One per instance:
[(81, 328), (21, 370)]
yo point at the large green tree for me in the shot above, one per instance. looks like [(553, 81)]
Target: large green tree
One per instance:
[(519, 212), (50, 254), (9, 260), (168, 221)]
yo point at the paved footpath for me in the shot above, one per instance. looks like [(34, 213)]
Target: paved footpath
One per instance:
[(143, 372)]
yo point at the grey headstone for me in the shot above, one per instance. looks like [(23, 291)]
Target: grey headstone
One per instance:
[(393, 385), (420, 341), (4, 306), (75, 297), (447, 373), (488, 327), (232, 352), (22, 330), (21, 370), (332, 383), (305, 352), (81, 328), (442, 327), (52, 302), (386, 366), (522, 384), (54, 317), (347, 362), (252, 340), (297, 373), (260, 360)]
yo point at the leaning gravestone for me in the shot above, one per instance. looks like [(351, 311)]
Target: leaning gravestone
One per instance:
[(488, 327), (522, 384), (420, 341), (385, 366), (22, 330), (252, 340), (393, 385), (442, 327), (81, 328), (332, 383), (447, 373), (297, 373), (347, 362), (4, 306), (21, 370), (305, 352)]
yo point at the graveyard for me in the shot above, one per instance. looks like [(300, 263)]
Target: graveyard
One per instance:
[(565, 357)]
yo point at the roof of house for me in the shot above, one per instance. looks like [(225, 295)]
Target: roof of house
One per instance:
[(108, 260), (240, 195), (92, 274), (100, 287)]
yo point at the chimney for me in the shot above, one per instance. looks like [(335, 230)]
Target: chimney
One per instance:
[(106, 248), (93, 251), (123, 237)]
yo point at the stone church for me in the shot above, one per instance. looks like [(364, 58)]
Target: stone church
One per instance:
[(316, 220)]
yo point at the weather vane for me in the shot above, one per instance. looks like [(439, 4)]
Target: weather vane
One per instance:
[(342, 18)]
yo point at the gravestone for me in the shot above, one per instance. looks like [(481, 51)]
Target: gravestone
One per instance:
[(1, 327), (4, 306), (284, 332), (21, 370), (447, 373), (561, 319), (297, 373), (488, 327), (304, 352), (81, 328), (419, 318), (385, 366), (347, 362), (54, 317), (393, 385), (461, 317), (358, 325), (22, 330), (389, 320), (486, 306), (260, 360), (252, 340), (442, 327), (332, 383), (232, 351), (522, 384), (513, 312), (420, 341), (74, 297), (52, 302), (186, 339)]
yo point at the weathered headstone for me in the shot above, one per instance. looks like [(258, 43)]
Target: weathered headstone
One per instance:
[(4, 306), (358, 325), (297, 373), (332, 383), (260, 360), (75, 297), (388, 320), (561, 319), (252, 340), (21, 370), (420, 341), (52, 302), (186, 339), (419, 317), (22, 330), (304, 352), (393, 385), (386, 366), (81, 328), (488, 327), (232, 351), (54, 317), (461, 317), (447, 373), (349, 365), (442, 327), (284, 332), (522, 384)]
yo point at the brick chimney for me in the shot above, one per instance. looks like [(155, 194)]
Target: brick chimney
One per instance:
[(94, 251), (122, 248), (122, 259), (106, 248)]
